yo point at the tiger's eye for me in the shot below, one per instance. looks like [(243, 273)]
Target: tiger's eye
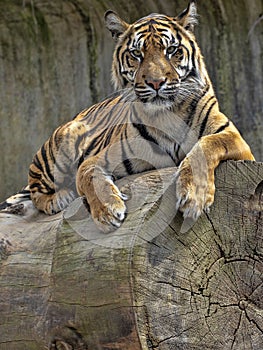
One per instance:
[(171, 50), (136, 53)]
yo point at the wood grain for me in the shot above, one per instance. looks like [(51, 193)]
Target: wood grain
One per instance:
[(64, 285)]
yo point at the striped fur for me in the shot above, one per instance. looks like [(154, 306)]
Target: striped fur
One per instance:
[(164, 114)]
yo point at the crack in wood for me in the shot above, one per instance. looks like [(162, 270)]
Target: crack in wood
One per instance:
[(183, 290)]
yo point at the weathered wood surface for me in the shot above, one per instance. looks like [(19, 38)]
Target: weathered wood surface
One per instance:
[(64, 285)]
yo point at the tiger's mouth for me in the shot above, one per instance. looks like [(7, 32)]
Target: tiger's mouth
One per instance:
[(157, 100), (165, 95)]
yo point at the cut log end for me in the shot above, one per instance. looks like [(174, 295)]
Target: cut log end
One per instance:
[(64, 285)]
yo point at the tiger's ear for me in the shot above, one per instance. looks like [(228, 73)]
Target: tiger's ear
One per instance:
[(188, 18), (115, 24)]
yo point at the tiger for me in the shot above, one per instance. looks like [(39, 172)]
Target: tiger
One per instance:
[(164, 113)]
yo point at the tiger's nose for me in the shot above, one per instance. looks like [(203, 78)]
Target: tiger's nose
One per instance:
[(156, 84)]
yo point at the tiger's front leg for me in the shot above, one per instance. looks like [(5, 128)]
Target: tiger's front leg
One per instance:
[(106, 202), (195, 186), (195, 182)]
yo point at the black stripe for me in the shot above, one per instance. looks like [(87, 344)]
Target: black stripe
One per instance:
[(143, 32), (146, 23), (46, 163), (153, 22), (90, 116), (152, 141), (108, 135), (51, 149), (56, 136), (104, 138), (119, 60), (193, 52), (204, 106), (39, 187), (81, 159), (37, 163), (126, 162), (204, 122), (102, 120), (83, 112), (35, 185), (193, 105), (47, 189), (144, 133), (90, 111), (221, 128), (176, 152), (123, 57), (171, 155), (186, 49), (128, 166), (55, 146), (182, 14), (139, 26), (163, 33), (94, 111), (34, 175), (79, 140), (93, 144)]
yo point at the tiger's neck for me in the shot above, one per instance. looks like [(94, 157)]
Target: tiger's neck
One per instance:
[(176, 125)]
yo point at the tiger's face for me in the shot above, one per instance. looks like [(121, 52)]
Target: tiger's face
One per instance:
[(158, 57)]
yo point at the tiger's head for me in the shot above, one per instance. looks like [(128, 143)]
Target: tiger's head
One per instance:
[(158, 57)]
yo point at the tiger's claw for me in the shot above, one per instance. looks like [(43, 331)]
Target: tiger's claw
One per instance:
[(109, 216)]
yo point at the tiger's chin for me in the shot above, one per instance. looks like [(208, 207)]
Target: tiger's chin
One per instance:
[(157, 105)]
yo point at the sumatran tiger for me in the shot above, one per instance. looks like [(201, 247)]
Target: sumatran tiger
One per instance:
[(165, 113)]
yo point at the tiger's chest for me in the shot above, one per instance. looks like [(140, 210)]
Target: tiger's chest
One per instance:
[(136, 140), (140, 152)]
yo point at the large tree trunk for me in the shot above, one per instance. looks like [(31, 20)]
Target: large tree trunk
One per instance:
[(156, 283)]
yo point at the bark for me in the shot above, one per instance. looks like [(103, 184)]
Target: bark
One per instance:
[(55, 60), (156, 283)]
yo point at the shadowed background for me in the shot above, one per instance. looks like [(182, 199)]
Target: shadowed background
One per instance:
[(55, 59)]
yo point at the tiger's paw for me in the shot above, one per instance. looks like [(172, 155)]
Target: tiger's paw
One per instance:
[(108, 208), (194, 190)]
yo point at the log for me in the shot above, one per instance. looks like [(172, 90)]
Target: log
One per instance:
[(158, 282)]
